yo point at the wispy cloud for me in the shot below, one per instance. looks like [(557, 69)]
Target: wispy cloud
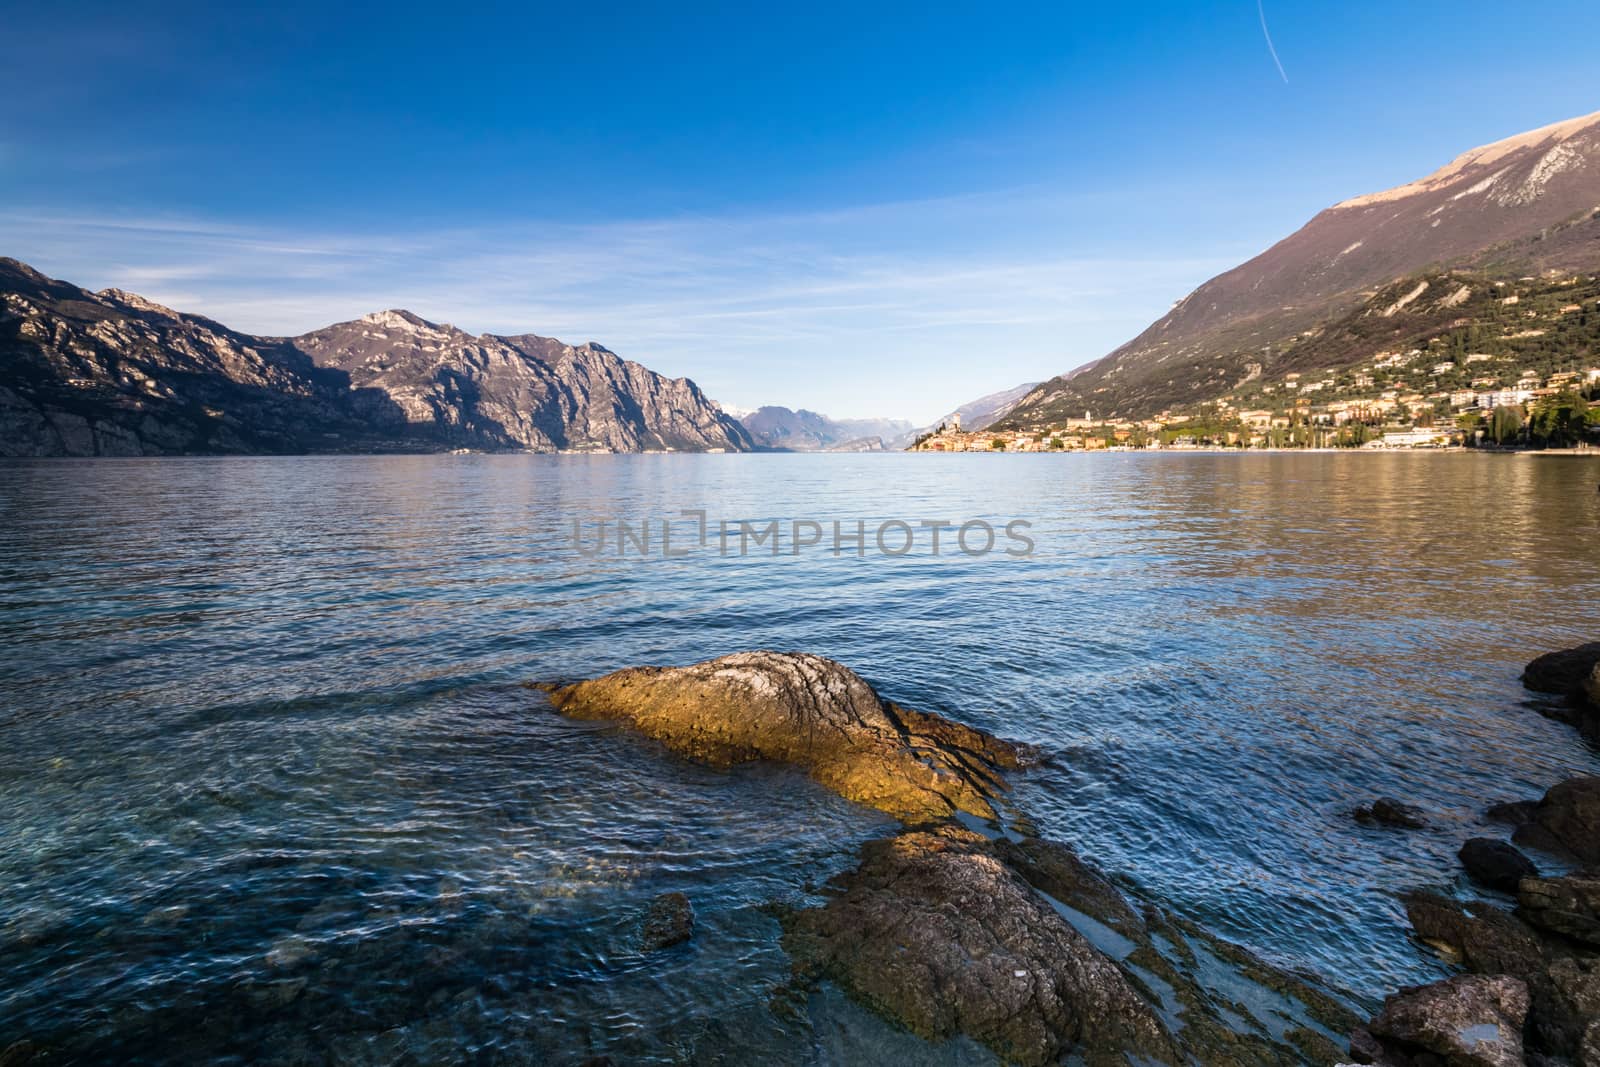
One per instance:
[(1261, 9), (856, 311)]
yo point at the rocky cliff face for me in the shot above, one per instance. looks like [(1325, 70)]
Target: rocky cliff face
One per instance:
[(524, 392), (1522, 205), (110, 373)]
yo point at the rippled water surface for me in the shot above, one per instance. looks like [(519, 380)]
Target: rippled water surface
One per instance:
[(271, 789)]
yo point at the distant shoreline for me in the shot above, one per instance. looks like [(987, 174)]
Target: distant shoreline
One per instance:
[(1592, 453)]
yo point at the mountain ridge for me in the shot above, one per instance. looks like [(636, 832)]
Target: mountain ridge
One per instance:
[(1525, 204), (113, 373)]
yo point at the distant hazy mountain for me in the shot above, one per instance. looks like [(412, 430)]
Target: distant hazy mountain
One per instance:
[(807, 431), (1518, 206), (111, 373), (979, 414)]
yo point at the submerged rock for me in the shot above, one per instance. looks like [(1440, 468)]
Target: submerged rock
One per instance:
[(668, 921), (1512, 812), (1567, 820), (19, 1054), (811, 712), (1496, 864), (1387, 811), (1466, 1021), (936, 933), (1568, 906)]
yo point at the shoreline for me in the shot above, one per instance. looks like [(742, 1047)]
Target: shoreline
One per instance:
[(1527, 985)]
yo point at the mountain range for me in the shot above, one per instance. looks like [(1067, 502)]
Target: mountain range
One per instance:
[(1523, 206), (111, 373)]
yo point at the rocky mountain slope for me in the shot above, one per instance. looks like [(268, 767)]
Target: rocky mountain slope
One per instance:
[(110, 373), (1524, 205), (807, 431), (524, 391)]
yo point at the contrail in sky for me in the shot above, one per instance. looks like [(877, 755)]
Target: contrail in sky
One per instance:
[(1262, 11)]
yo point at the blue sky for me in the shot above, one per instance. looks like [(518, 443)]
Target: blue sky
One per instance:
[(861, 209)]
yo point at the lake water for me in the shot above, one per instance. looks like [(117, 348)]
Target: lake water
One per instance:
[(271, 788)]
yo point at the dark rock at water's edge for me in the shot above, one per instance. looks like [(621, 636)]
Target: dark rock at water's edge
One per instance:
[(1386, 811), (1512, 812), (1551, 944), (668, 921), (1566, 821), (1574, 675), (1568, 906), (1482, 937), (810, 712), (1542, 962), (1562, 673), (1560, 975), (1465, 1021), (1496, 864), (1570, 1018)]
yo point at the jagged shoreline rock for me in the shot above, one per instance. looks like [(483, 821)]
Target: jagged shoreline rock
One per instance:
[(1573, 674), (1531, 993), (1566, 821), (1465, 1021), (812, 713)]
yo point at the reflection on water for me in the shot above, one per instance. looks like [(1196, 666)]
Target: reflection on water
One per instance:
[(269, 790)]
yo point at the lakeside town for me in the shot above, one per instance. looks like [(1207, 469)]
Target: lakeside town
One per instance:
[(1559, 410)]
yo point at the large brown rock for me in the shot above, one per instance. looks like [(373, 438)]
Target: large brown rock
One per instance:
[(1567, 820), (935, 932), (1569, 906), (811, 712), (1467, 1021)]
